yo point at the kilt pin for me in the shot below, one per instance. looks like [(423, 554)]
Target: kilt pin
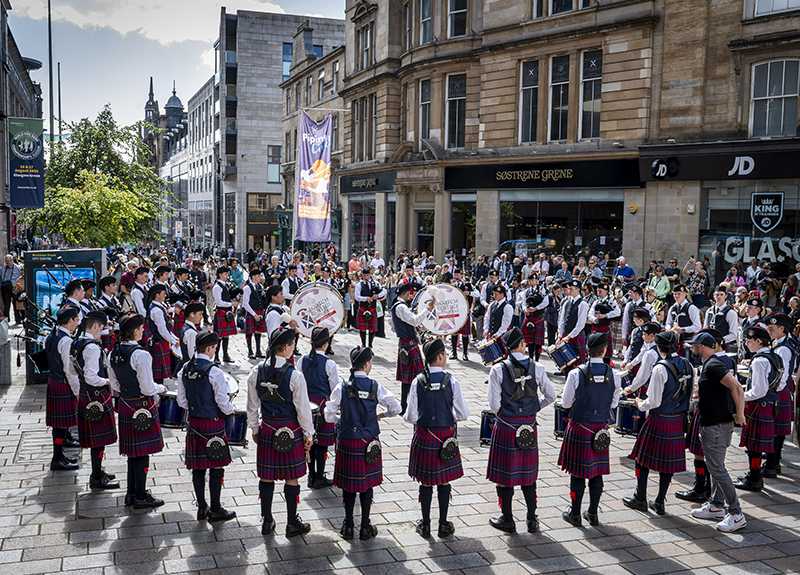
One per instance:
[(223, 327), (351, 472), (509, 465), (272, 465), (577, 456), (758, 433), (133, 443), (407, 372), (200, 430), (661, 443), (424, 463), (326, 434), (97, 433), (534, 335), (62, 405)]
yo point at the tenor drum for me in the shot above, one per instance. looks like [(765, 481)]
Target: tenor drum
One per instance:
[(450, 312), (488, 420), (169, 412), (561, 419), (491, 350), (316, 416), (236, 428), (317, 304), (629, 418), (563, 355)]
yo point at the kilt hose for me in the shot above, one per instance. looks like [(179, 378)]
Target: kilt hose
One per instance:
[(508, 465), (132, 443), (200, 430), (326, 434), (61, 406), (577, 456), (223, 327), (162, 359), (534, 335), (406, 372), (250, 324), (606, 329), (351, 472), (109, 340), (272, 465), (98, 433), (466, 329), (661, 443), (579, 345), (424, 464), (758, 433), (693, 443), (363, 324), (785, 415), (178, 319)]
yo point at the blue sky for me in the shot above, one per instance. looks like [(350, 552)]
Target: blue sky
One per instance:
[(108, 49)]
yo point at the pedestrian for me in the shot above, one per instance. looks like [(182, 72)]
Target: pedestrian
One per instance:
[(9, 273)]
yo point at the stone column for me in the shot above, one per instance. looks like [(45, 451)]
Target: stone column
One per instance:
[(380, 222), (441, 221), (487, 222), (402, 209)]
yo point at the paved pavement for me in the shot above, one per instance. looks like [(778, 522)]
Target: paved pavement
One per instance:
[(51, 522)]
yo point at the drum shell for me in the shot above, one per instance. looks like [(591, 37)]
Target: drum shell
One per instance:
[(236, 428), (488, 420), (491, 351), (170, 413)]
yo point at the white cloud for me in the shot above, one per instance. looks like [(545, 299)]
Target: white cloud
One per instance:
[(163, 21), (207, 59)]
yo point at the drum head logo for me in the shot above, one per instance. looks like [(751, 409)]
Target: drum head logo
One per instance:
[(26, 146), (766, 210)]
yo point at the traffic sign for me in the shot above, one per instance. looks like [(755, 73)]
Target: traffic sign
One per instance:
[(178, 229)]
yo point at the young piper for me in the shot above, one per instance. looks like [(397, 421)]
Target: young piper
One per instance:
[(202, 391), (161, 330), (435, 405), (590, 393), (514, 386), (647, 358), (109, 304), (322, 377), (224, 323), (572, 319), (279, 416), (640, 317), (194, 317), (180, 288), (254, 303), (601, 313), (359, 466), (785, 346)]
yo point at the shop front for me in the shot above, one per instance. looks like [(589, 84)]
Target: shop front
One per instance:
[(367, 212)]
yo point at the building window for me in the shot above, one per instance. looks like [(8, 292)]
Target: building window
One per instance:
[(365, 144), (407, 26), (591, 88), (530, 101), (318, 51), (321, 85), (560, 6), (274, 164), (288, 146), (297, 96), (309, 82), (366, 46), (456, 110), (335, 77), (334, 132), (769, 6), (538, 8), (425, 109), (356, 126), (288, 100), (775, 90), (287, 60), (424, 22), (457, 18), (559, 99)]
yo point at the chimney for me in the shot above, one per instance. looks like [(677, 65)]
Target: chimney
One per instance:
[(303, 47)]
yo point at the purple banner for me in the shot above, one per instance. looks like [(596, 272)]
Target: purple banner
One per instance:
[(313, 212)]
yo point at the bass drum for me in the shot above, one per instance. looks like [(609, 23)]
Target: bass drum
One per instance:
[(317, 304), (450, 312)]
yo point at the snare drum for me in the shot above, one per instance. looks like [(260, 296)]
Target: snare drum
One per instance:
[(316, 416), (170, 413), (491, 350), (236, 428), (488, 419), (561, 419), (563, 355), (627, 378), (629, 418)]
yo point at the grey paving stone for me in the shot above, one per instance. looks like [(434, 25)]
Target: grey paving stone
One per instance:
[(450, 562), (551, 564), (746, 539), (654, 566), (749, 568)]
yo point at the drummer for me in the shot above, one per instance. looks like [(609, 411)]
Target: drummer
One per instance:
[(254, 305), (194, 317), (291, 284), (572, 319), (161, 330), (646, 359), (498, 316), (203, 393), (471, 294), (590, 393), (514, 386), (635, 301), (277, 317), (683, 317), (322, 376), (661, 442), (534, 300), (487, 291), (785, 346), (722, 317), (223, 326), (603, 310)]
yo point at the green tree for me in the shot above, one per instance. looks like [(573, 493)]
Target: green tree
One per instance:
[(101, 171)]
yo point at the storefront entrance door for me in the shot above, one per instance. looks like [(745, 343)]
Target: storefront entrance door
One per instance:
[(425, 231)]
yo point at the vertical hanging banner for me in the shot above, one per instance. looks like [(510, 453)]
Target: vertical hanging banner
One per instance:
[(314, 181), (26, 158)]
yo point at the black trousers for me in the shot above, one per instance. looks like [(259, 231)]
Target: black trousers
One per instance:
[(8, 298)]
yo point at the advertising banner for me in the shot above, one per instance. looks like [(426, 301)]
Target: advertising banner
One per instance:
[(314, 181), (26, 159)]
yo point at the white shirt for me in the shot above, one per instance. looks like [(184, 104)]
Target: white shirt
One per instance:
[(273, 320), (508, 313), (249, 287), (460, 409), (189, 338), (759, 374), (218, 383), (583, 313), (79, 305), (161, 325), (330, 369), (573, 379), (285, 287), (92, 355), (142, 364), (63, 350), (495, 392), (786, 356), (297, 385), (404, 313), (377, 262), (655, 389), (385, 398), (359, 297), (648, 358), (731, 317), (523, 294), (694, 316), (542, 266), (138, 299), (486, 293), (612, 314), (627, 318), (217, 292)]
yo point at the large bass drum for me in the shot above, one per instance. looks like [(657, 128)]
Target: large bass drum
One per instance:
[(450, 311), (317, 304)]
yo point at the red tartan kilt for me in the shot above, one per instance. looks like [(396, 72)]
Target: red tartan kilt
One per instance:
[(533, 336), (250, 325), (62, 405), (693, 443), (196, 445), (661, 444), (162, 360), (326, 434), (758, 433), (178, 319), (508, 465), (364, 325), (424, 463), (100, 433), (406, 372), (135, 444), (466, 329), (223, 327), (351, 472), (109, 341), (785, 417), (579, 345), (577, 456), (147, 336), (274, 466), (606, 329)]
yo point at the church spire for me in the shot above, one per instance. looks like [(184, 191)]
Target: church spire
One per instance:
[(151, 89)]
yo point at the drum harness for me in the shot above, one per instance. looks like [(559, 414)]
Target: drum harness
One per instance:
[(770, 356), (216, 447), (601, 439), (402, 354), (448, 450), (142, 419), (372, 453), (684, 377), (524, 434), (94, 410)]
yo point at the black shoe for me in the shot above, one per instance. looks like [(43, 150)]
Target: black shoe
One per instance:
[(63, 465), (310, 481), (148, 502), (501, 524), (129, 497), (769, 473), (268, 527), (465, 356), (329, 351), (70, 459), (368, 532), (322, 482), (103, 483), (634, 503), (533, 525), (346, 532), (593, 520), (297, 353), (657, 507), (221, 514), (299, 528), (571, 519), (202, 513), (70, 441), (251, 355), (446, 529), (424, 529), (454, 355), (747, 484), (109, 475), (227, 359), (691, 495), (260, 355)]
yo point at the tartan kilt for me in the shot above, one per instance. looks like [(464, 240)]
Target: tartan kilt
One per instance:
[(250, 325), (783, 421), (178, 319), (274, 466), (223, 327), (135, 444), (351, 472), (758, 433), (424, 463), (108, 341), (99, 433), (162, 359), (606, 329), (62, 405), (533, 336), (661, 443), (407, 372), (326, 434), (466, 329), (693, 443), (508, 465), (579, 345), (577, 456), (196, 446), (147, 336), (362, 324)]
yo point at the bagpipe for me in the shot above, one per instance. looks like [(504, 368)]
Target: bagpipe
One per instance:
[(373, 290)]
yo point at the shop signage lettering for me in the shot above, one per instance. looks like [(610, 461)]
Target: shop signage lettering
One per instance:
[(543, 175), (689, 162), (374, 182), (365, 183), (745, 249), (742, 166), (766, 209)]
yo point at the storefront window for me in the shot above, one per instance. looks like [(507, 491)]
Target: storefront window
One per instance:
[(362, 225), (462, 229)]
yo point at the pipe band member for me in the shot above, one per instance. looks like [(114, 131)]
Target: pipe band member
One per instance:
[(254, 304), (405, 322), (498, 315), (534, 300), (223, 326), (572, 319), (602, 312), (786, 346), (161, 329), (683, 317), (465, 332), (109, 304)]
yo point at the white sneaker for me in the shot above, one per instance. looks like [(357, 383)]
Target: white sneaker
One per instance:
[(732, 523), (707, 511)]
